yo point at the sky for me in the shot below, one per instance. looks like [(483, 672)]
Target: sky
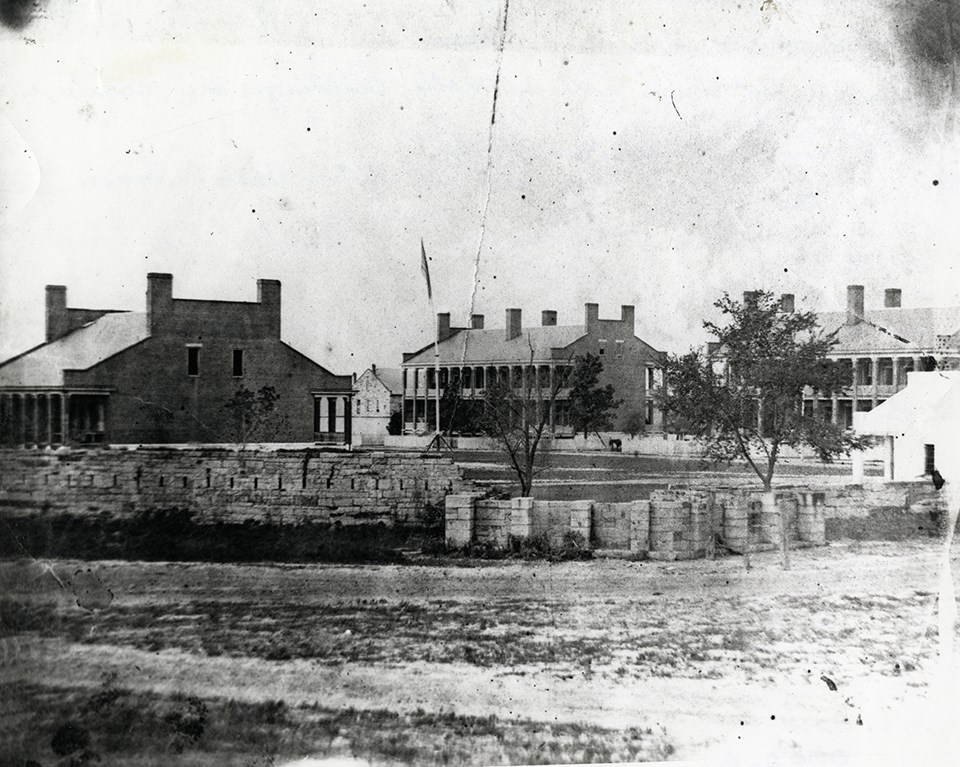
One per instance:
[(652, 153)]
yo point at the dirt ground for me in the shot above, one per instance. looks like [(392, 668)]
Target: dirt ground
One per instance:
[(608, 660)]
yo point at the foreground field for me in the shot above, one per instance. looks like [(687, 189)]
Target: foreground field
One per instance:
[(163, 663)]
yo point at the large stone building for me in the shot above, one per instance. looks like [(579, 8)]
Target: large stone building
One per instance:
[(379, 392), (165, 375), (474, 356), (880, 346)]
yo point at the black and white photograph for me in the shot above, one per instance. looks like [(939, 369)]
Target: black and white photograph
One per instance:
[(479, 382)]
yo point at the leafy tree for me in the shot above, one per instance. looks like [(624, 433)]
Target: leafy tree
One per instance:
[(253, 416), (516, 414), (459, 415), (635, 423), (591, 405), (395, 424), (751, 408)]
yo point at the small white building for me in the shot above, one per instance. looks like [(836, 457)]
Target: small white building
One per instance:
[(379, 392), (920, 426)]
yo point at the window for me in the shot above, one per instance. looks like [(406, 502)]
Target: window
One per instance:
[(237, 363), (619, 348), (648, 420), (358, 407), (193, 360), (651, 382)]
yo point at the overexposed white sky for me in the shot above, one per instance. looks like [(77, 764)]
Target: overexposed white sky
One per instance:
[(317, 142)]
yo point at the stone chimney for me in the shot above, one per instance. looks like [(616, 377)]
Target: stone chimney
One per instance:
[(627, 317), (548, 317), (591, 316), (159, 300), (373, 369), (58, 321), (787, 304), (443, 325), (514, 326), (854, 304), (891, 298), (476, 321), (268, 296)]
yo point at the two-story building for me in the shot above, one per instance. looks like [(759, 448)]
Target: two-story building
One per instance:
[(881, 346), (472, 357), (167, 375), (379, 392)]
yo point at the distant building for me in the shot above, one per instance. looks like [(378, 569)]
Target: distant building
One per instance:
[(881, 346), (165, 375), (379, 394), (474, 356)]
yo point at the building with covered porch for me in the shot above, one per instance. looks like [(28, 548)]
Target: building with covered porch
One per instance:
[(473, 357), (166, 375), (880, 347)]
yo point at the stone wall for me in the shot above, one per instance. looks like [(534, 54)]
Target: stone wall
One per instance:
[(688, 523), (223, 485)]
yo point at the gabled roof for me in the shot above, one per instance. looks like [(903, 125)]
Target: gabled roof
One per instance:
[(891, 329), (392, 378), (927, 407), (469, 346), (78, 350)]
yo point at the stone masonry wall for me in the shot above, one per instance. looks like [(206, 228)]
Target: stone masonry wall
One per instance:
[(222, 485), (688, 523)]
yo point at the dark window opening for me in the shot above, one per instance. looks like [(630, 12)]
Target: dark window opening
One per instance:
[(929, 463), (237, 362), (193, 360)]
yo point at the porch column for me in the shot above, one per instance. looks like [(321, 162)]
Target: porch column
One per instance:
[(553, 399), (875, 370), (834, 407), (49, 412), (23, 419), (64, 419), (347, 421)]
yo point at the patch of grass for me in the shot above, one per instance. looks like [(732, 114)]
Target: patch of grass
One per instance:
[(116, 725)]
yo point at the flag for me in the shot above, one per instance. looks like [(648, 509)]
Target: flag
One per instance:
[(425, 269)]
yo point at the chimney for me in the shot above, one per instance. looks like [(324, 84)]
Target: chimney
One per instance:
[(159, 300), (713, 348), (58, 322), (268, 296), (891, 298), (514, 326), (626, 317), (373, 369), (787, 303), (476, 321), (591, 316), (854, 304), (443, 326), (548, 318)]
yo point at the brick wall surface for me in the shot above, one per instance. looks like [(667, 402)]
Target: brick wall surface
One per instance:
[(219, 485)]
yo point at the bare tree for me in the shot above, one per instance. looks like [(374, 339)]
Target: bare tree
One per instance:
[(517, 415)]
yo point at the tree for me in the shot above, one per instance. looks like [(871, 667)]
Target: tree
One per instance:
[(752, 408), (395, 424), (590, 403), (516, 414), (253, 417), (635, 423), (459, 415)]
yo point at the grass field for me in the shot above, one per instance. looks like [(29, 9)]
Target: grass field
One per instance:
[(518, 663)]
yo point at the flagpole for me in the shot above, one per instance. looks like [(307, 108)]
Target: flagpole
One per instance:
[(436, 344)]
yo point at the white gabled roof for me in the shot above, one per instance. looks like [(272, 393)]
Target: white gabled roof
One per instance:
[(79, 349), (929, 403)]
